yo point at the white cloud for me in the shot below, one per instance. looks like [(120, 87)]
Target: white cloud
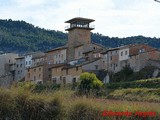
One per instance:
[(113, 17)]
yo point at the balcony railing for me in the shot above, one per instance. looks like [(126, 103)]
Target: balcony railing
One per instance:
[(79, 26)]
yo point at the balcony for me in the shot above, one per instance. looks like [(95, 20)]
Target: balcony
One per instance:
[(72, 26)]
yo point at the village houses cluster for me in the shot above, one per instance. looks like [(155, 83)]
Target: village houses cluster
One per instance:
[(65, 64)]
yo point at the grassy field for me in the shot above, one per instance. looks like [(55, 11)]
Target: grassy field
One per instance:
[(20, 103)]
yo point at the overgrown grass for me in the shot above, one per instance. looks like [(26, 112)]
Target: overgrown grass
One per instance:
[(136, 94), (23, 104)]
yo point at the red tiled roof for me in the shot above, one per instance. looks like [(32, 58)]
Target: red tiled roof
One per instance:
[(135, 49)]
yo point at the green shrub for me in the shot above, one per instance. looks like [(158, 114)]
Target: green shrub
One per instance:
[(30, 86), (89, 84)]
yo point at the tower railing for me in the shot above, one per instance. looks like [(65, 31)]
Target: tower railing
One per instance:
[(79, 26)]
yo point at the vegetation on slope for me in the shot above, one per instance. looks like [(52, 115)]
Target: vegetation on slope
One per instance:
[(146, 83), (20, 36)]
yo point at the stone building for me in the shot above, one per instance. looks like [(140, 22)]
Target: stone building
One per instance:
[(56, 73), (67, 60), (116, 58), (38, 60), (29, 58), (65, 73), (38, 73), (79, 51), (7, 61), (79, 35), (57, 55), (140, 54), (19, 68), (71, 74)]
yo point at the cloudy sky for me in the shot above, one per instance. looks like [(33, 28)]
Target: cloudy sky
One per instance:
[(114, 18)]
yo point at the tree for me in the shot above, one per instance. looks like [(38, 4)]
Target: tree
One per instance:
[(123, 75), (89, 83)]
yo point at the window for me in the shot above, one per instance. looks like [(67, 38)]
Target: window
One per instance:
[(96, 67), (54, 80), (34, 78), (21, 65), (111, 57), (9, 60), (17, 65), (125, 52), (111, 65), (29, 62), (26, 62), (39, 69), (76, 68), (74, 80), (114, 66), (49, 76), (121, 53), (39, 76), (140, 51), (143, 50), (18, 72), (34, 70)]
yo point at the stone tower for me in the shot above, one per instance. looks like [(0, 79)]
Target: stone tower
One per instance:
[(79, 34)]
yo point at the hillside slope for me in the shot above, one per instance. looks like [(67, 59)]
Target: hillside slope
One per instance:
[(19, 36)]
